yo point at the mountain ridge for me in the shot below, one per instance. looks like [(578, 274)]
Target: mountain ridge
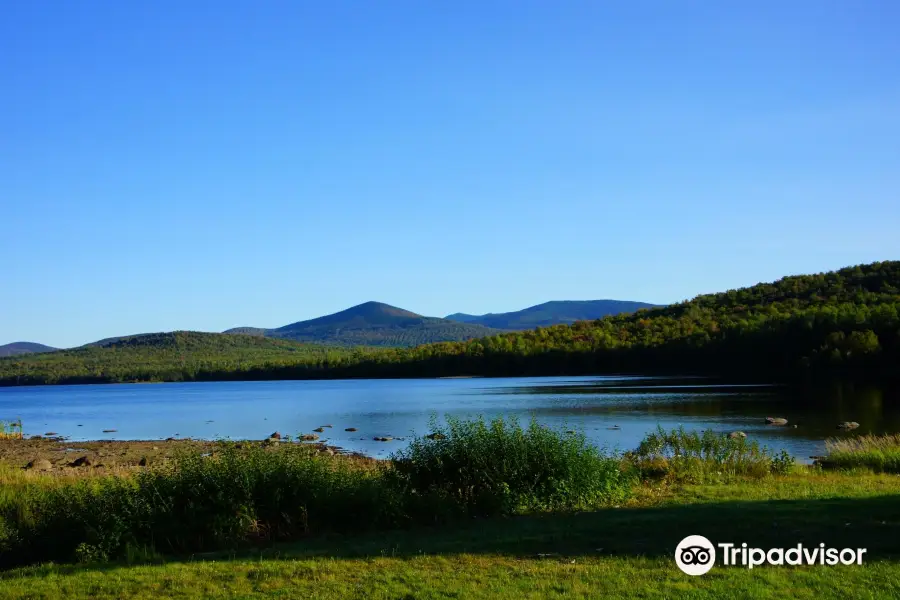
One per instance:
[(375, 323), (372, 324), (554, 312)]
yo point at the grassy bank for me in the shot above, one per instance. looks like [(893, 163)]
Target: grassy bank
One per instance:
[(243, 494), (475, 510), (251, 493), (621, 552)]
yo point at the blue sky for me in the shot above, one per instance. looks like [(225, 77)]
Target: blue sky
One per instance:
[(203, 165)]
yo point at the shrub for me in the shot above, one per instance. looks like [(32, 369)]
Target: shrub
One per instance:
[(702, 457), (195, 503), (474, 468), (263, 494)]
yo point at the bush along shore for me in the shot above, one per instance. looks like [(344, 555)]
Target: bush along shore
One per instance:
[(245, 494)]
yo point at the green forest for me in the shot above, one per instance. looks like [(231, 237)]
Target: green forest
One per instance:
[(843, 323), (176, 356)]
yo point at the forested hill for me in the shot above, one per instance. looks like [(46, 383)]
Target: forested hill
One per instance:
[(875, 283), (556, 312), (373, 324), (174, 356), (843, 323)]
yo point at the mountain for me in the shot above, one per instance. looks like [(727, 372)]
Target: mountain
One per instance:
[(373, 324), (557, 312), (17, 348)]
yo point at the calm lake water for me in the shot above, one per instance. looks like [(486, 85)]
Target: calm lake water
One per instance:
[(399, 408)]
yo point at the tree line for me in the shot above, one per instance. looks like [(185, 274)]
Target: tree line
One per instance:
[(843, 323)]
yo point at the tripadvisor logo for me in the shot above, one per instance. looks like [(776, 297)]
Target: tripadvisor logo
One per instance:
[(696, 555)]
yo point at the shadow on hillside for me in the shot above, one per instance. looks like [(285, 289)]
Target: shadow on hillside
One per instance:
[(871, 523)]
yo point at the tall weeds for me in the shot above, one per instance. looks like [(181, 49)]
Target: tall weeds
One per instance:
[(705, 456), (258, 494), (880, 453), (195, 503)]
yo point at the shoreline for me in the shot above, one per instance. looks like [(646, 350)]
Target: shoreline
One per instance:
[(68, 457)]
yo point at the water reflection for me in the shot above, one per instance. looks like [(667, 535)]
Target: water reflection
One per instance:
[(813, 414), (398, 408)]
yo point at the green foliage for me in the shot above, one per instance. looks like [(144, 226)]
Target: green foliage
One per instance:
[(484, 469), (607, 553), (254, 494), (783, 463), (262, 495), (196, 503), (879, 453), (705, 456)]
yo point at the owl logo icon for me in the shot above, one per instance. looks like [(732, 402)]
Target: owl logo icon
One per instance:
[(695, 555)]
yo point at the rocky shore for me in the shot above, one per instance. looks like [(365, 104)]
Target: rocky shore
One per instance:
[(55, 455)]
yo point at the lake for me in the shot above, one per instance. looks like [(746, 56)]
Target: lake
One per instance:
[(399, 408)]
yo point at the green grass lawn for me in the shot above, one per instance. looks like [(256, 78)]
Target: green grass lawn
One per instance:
[(621, 552)]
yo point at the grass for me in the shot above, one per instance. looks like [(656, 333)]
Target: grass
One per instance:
[(11, 430), (623, 552), (880, 453)]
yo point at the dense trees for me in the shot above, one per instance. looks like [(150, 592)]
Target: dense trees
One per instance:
[(844, 323), (176, 356)]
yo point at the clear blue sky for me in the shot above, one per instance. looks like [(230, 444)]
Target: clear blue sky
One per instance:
[(203, 165)]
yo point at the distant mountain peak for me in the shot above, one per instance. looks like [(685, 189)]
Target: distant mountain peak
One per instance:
[(17, 348), (365, 315), (373, 307)]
